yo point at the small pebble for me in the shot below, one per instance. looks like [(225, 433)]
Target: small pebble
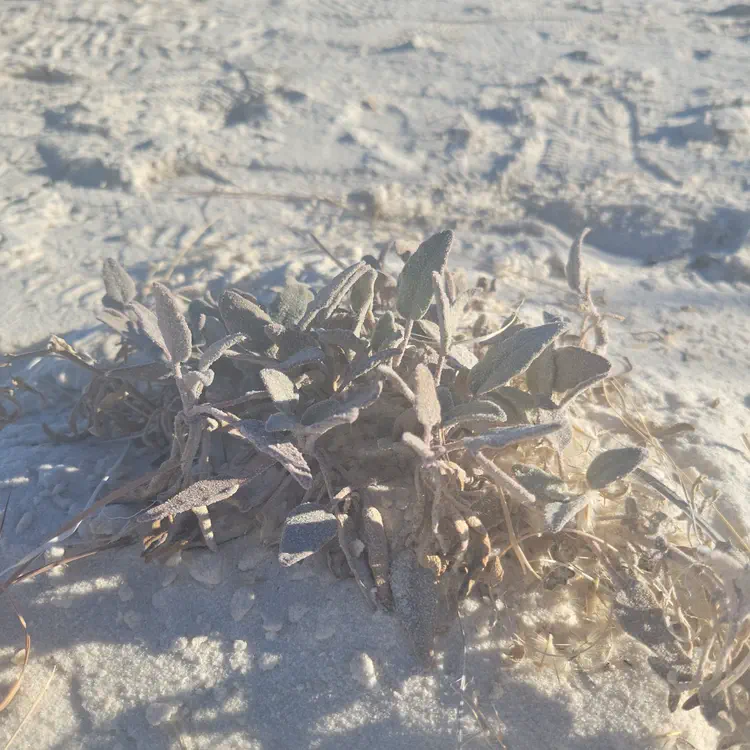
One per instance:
[(267, 662), (125, 592), (206, 567), (358, 547), (241, 603), (363, 670)]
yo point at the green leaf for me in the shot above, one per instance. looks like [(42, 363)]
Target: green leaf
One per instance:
[(415, 281)]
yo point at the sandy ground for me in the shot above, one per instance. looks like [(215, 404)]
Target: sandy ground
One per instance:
[(126, 123)]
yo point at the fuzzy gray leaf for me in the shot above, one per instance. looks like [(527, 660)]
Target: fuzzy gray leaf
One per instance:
[(446, 317), (306, 356), (387, 332), (308, 528), (511, 356), (172, 324), (428, 330), (544, 486), (286, 453), (580, 388), (115, 319), (574, 365), (119, 286), (291, 303), (507, 329), (505, 436), (320, 411), (280, 422), (202, 493), (346, 340), (281, 390), (365, 396), (415, 281), (362, 297), (614, 464), (445, 397), (461, 357), (477, 406), (148, 325), (241, 315), (333, 293), (327, 415), (218, 349), (549, 412), (362, 365), (397, 381), (427, 405), (573, 267), (557, 515), (517, 404), (540, 377), (477, 422), (417, 445)]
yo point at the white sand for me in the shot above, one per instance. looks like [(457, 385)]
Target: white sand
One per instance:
[(514, 125)]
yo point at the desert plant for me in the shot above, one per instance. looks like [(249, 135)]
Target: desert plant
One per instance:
[(413, 434)]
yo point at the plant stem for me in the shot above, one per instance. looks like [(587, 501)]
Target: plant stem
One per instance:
[(405, 343)]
